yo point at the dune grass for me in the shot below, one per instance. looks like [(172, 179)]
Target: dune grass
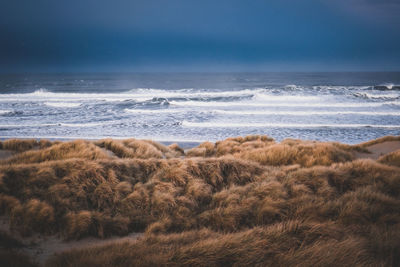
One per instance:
[(378, 141), (144, 149), (291, 243), (391, 158), (241, 201), (265, 151), (20, 145)]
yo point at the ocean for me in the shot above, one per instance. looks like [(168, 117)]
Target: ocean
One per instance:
[(195, 107)]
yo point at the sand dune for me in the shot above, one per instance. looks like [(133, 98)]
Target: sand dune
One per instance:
[(244, 201)]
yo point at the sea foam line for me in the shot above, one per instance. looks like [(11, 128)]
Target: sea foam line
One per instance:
[(305, 113), (99, 137), (153, 111), (279, 125), (92, 124), (261, 112), (252, 104), (135, 94), (62, 104), (4, 112)]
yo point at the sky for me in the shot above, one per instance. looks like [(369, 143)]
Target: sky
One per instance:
[(194, 35)]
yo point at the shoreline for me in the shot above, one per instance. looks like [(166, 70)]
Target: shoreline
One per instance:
[(183, 144), (186, 144)]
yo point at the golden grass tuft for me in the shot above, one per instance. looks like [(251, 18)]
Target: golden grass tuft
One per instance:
[(378, 141), (391, 158), (143, 149), (33, 216), (265, 151), (285, 244), (19, 145), (22, 145), (61, 151)]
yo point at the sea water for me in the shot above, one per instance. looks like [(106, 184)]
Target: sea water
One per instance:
[(195, 107)]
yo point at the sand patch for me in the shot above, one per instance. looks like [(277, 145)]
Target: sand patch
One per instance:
[(5, 154), (45, 247), (40, 248), (378, 150), (109, 153)]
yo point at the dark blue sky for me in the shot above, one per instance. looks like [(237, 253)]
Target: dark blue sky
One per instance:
[(194, 35)]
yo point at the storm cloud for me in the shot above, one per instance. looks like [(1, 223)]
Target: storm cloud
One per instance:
[(156, 35)]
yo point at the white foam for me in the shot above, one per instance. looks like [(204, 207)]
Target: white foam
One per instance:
[(54, 124), (135, 94), (388, 85), (98, 137), (304, 113), (293, 86), (339, 87), (62, 104), (91, 124), (186, 93), (258, 104), (284, 98), (4, 112), (378, 96), (279, 125), (153, 111), (262, 112)]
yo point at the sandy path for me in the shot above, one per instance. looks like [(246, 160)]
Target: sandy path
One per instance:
[(378, 150), (41, 248), (5, 154)]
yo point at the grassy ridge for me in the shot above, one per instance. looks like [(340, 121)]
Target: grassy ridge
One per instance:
[(244, 201)]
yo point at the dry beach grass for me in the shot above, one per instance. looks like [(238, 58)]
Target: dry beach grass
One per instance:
[(241, 201)]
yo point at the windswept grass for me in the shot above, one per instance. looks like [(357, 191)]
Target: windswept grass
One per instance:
[(391, 158), (241, 201), (19, 145), (292, 243), (144, 149), (378, 141), (265, 151), (61, 151)]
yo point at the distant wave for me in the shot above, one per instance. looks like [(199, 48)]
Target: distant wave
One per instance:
[(138, 95), (380, 87), (390, 96), (280, 125), (284, 98), (340, 87), (389, 86), (191, 93), (294, 87), (195, 97)]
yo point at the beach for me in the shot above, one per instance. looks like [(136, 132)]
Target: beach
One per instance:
[(200, 133), (249, 200)]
